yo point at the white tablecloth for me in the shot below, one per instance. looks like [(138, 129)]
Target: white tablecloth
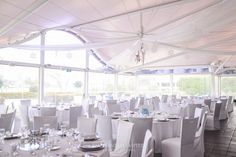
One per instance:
[(62, 142), (160, 131)]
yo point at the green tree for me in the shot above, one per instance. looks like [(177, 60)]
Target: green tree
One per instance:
[(194, 86), (78, 84), (228, 85)]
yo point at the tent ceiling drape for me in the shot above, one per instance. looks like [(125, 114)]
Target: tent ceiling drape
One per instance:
[(172, 32)]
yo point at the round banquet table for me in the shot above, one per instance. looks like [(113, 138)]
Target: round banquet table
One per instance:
[(62, 142), (160, 130)]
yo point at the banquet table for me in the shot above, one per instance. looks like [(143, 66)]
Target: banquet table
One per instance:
[(61, 142), (161, 129)]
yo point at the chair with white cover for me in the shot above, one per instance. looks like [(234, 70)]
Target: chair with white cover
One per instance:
[(164, 98), (230, 104), (156, 103), (89, 110), (181, 146), (111, 108), (104, 129), (86, 126), (24, 113), (124, 134), (191, 110), (199, 148), (198, 114), (132, 104), (148, 145), (213, 122), (48, 111), (75, 112), (207, 102), (141, 125), (41, 121), (95, 111), (7, 120), (224, 109)]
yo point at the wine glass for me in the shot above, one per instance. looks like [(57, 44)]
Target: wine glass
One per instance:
[(69, 135)]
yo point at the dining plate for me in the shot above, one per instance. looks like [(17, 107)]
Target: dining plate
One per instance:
[(162, 120), (90, 137), (55, 148), (86, 147)]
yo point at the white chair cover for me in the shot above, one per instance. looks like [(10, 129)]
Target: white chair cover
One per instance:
[(40, 121), (24, 112), (141, 125), (111, 108), (230, 104), (48, 111), (124, 134), (7, 121), (86, 126), (199, 138), (75, 112), (181, 146), (104, 129), (148, 145), (213, 122), (198, 114), (224, 109)]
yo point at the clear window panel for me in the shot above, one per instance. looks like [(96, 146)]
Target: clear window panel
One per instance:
[(18, 83), (196, 85), (100, 83), (72, 58), (63, 87), (228, 85), (94, 64), (126, 84), (154, 84)]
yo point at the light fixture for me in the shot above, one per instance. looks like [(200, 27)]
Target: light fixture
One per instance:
[(140, 55)]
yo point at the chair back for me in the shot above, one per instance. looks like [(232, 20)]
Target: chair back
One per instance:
[(111, 108), (86, 126), (156, 103), (217, 109), (224, 103), (104, 128), (198, 114), (75, 112), (124, 134), (24, 112), (164, 98), (95, 111), (188, 130), (113, 102), (132, 104), (40, 121), (141, 125), (203, 124), (90, 108), (148, 145), (207, 102), (48, 111), (8, 120), (191, 110)]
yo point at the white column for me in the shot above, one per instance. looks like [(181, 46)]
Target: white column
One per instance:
[(41, 70), (136, 85), (213, 85), (115, 91), (86, 75), (171, 83)]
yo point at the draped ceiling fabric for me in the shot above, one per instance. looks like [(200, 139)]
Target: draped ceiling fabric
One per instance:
[(173, 32)]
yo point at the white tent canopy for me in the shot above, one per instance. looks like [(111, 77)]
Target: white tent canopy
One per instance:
[(170, 32)]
